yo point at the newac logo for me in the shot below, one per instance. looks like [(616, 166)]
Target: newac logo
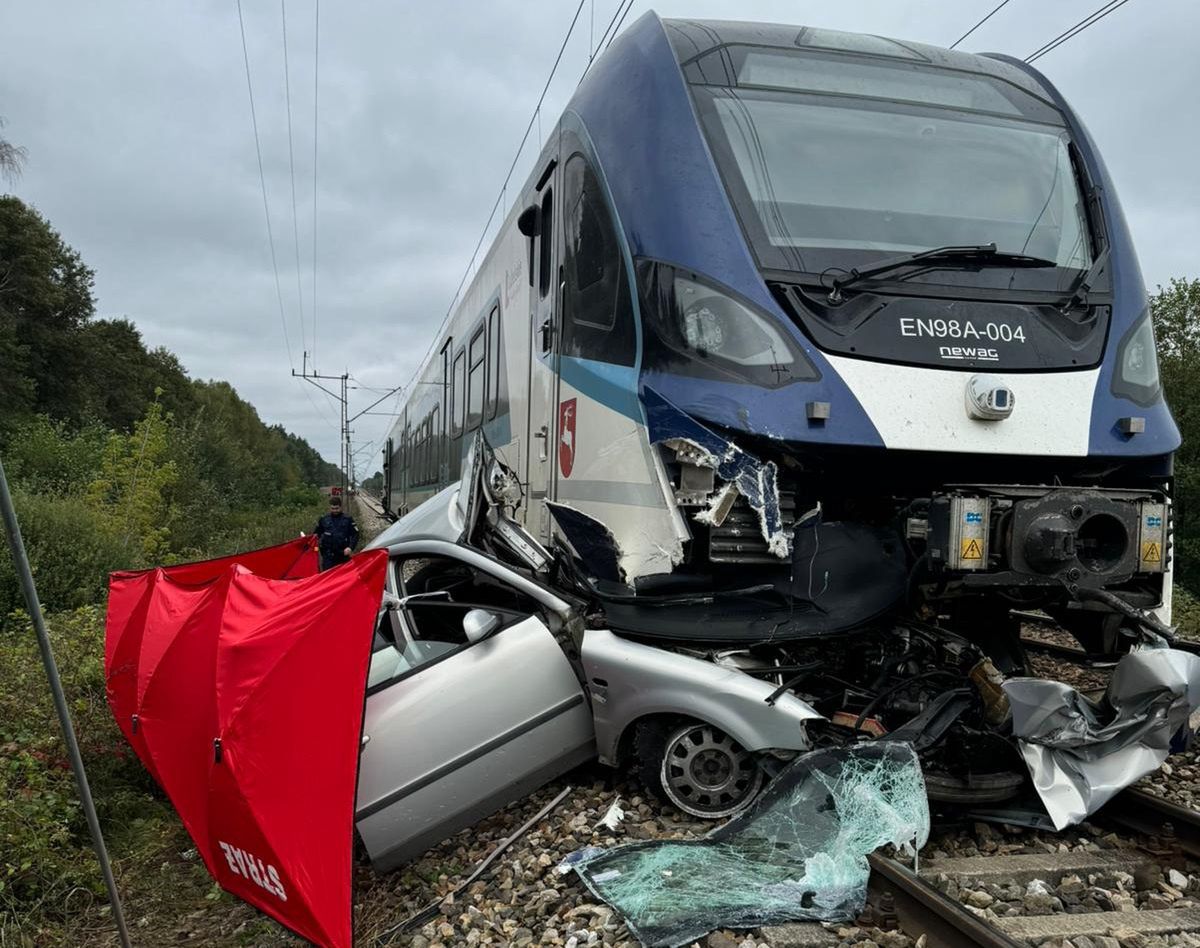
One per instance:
[(566, 436), (249, 866)]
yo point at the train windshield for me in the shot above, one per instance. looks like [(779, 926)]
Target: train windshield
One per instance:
[(826, 171)]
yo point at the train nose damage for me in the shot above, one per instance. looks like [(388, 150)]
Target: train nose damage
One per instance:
[(864, 622)]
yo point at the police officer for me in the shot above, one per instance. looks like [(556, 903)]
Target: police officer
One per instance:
[(337, 535)]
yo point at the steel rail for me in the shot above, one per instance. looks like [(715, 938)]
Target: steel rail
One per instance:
[(1078, 655), (1142, 812), (923, 910), (1069, 652)]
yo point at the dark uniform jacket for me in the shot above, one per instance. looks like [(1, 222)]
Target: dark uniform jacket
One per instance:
[(336, 532)]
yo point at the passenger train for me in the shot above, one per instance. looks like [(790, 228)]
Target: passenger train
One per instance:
[(789, 325)]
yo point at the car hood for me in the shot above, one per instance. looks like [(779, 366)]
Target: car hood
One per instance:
[(438, 518)]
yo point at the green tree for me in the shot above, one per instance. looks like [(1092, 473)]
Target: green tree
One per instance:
[(374, 483), (136, 474), (45, 298), (44, 456), (1176, 310), (121, 376)]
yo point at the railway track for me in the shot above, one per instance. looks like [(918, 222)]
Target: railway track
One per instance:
[(1159, 837), (1156, 836), (371, 503), (1073, 653)]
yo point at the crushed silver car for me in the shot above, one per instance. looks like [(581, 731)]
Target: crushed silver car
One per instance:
[(499, 663), (487, 681)]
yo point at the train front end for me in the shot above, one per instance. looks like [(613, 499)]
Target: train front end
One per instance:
[(897, 359), (901, 289)]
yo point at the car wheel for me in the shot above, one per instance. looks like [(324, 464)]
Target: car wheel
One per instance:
[(698, 769)]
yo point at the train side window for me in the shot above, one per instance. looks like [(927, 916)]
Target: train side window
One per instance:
[(423, 465), (435, 446), (546, 236), (418, 455), (458, 394), (429, 449), (475, 378), (598, 312), (493, 374)]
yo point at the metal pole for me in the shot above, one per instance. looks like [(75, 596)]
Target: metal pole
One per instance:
[(345, 439), (17, 546)]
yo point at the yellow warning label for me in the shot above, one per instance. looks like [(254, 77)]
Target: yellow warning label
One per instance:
[(971, 550), (1151, 553)]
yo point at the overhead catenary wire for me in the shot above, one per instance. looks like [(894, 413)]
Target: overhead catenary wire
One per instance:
[(316, 126), (1090, 20), (1000, 6), (262, 180), (287, 92), (534, 119), (617, 28), (612, 21)]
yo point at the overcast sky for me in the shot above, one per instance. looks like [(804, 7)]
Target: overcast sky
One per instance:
[(141, 153)]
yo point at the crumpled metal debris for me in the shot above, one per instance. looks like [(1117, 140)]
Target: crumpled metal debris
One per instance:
[(1080, 753), (799, 852), (755, 480)]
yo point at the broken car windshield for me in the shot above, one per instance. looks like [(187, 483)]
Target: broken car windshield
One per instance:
[(799, 852)]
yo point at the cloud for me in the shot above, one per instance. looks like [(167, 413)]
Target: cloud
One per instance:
[(141, 153)]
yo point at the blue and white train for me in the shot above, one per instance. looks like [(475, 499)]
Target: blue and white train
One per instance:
[(790, 327)]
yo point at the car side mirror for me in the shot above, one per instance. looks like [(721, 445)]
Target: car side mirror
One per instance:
[(478, 624)]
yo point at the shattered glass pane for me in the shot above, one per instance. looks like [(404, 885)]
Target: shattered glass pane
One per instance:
[(799, 852)]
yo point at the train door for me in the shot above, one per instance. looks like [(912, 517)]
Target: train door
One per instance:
[(405, 463), (543, 357), (446, 465), (386, 488)]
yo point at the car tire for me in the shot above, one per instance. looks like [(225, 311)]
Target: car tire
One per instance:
[(696, 767)]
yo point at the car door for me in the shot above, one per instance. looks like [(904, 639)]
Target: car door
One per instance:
[(455, 729)]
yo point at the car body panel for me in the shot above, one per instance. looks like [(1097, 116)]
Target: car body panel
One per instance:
[(629, 681), (434, 519), (460, 738), (479, 725)]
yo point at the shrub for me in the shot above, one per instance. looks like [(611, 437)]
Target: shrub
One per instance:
[(46, 863), (44, 456), (72, 548)]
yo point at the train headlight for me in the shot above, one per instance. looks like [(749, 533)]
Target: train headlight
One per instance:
[(1136, 377), (719, 334), (713, 324)]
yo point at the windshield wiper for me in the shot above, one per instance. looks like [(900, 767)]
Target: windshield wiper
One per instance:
[(1079, 292), (978, 254)]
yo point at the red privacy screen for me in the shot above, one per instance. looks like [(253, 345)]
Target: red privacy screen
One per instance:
[(240, 684)]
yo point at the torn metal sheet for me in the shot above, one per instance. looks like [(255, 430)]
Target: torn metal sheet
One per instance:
[(799, 852), (592, 541), (1080, 752), (487, 491), (755, 480)]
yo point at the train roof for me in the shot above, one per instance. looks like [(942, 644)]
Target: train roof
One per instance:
[(691, 39)]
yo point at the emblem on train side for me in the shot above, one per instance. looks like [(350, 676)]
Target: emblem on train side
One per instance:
[(566, 436)]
